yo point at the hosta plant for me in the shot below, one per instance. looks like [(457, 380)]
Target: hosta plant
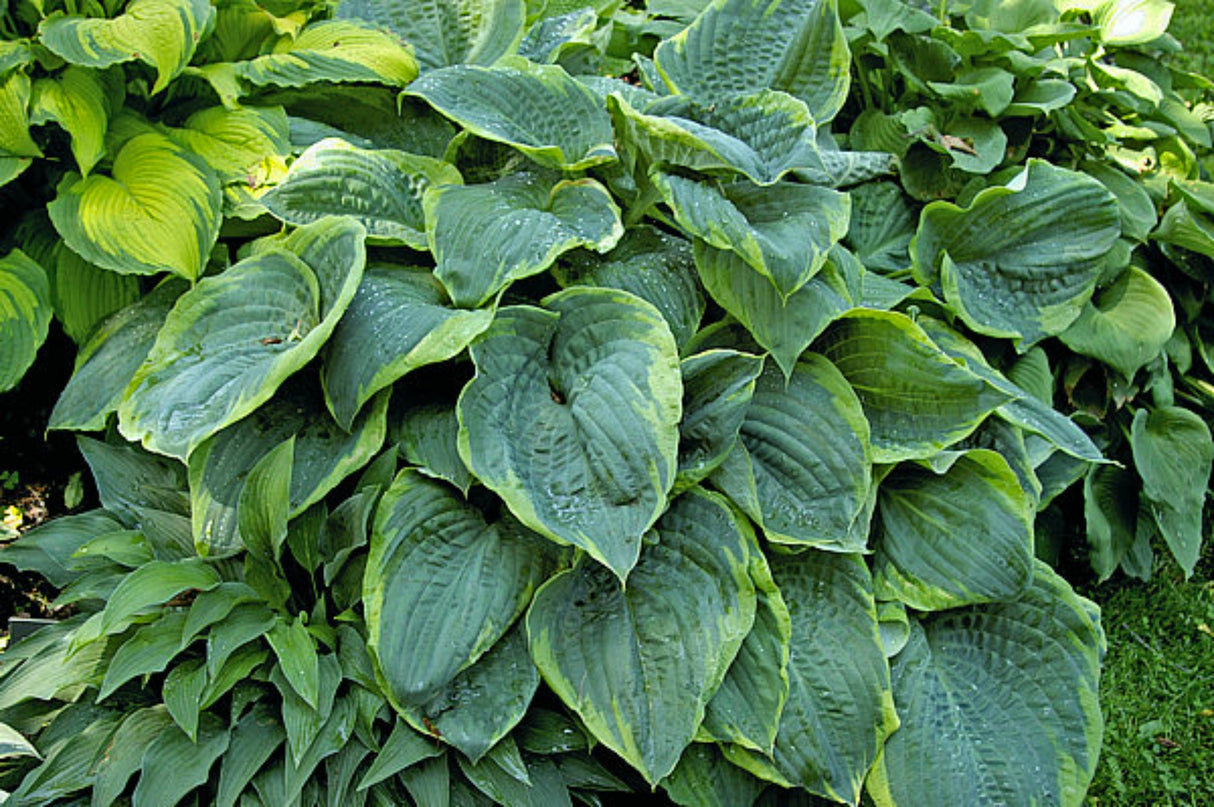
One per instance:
[(520, 402)]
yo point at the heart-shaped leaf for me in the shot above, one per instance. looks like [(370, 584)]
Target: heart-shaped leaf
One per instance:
[(1127, 325), (573, 416), (25, 315), (449, 33)]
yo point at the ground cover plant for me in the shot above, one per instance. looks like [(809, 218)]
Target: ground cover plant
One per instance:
[(503, 402)]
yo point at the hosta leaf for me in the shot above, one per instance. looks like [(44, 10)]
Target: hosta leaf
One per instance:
[(1022, 259), (381, 188), (881, 227), (573, 418), (428, 436), (485, 236), (717, 389), (297, 659), (124, 752), (150, 585), (131, 481), (916, 398), (252, 741), (638, 664), (15, 140), (231, 341), (25, 315), (784, 326), (840, 709), (458, 32), (480, 706), (148, 651), (235, 142), (1173, 454), (76, 100), (323, 456), (158, 211), (957, 537), (703, 778), (1110, 510), (998, 702), (400, 319), (343, 51), (84, 294), (550, 39), (746, 709), (1127, 325), (797, 46), (48, 548), (762, 135), (68, 768), (442, 576), (403, 749), (161, 33), (802, 468), (784, 232), (653, 265), (539, 109), (175, 764), (1131, 22)]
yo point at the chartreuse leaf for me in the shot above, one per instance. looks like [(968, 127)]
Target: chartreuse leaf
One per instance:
[(840, 709), (399, 320), (717, 389), (25, 315), (236, 142), (475, 32), (84, 294), (734, 46), (106, 363), (802, 468), (1173, 454), (440, 575), (573, 416), (1022, 259), (1127, 325), (15, 140), (784, 232), (124, 753), (76, 100), (746, 709), (998, 703), (381, 188), (231, 341), (339, 51), (175, 764), (486, 236), (324, 455), (762, 135), (158, 211), (1132, 22), (653, 265), (539, 109), (703, 778), (160, 33), (639, 663), (960, 536), (484, 702), (784, 326), (916, 398)]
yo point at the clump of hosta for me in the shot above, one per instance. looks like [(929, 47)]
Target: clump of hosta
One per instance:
[(499, 402)]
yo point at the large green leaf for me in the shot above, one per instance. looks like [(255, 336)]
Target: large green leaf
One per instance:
[(158, 211), (125, 752), (1110, 510), (840, 709), (1127, 325), (427, 436), (653, 265), (784, 232), (638, 664), (231, 341), (717, 389), (76, 100), (1022, 259), (703, 778), (84, 295), (175, 764), (15, 140), (486, 236), (784, 326), (1173, 454), (456, 32), (25, 315), (400, 319), (797, 46), (236, 143), (960, 535), (383, 189), (998, 702), (106, 363), (881, 226), (539, 109), (916, 398), (573, 416), (161, 33), (152, 584), (802, 468), (324, 455), (443, 578), (762, 135)]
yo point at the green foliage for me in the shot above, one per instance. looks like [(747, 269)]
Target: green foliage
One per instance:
[(528, 401)]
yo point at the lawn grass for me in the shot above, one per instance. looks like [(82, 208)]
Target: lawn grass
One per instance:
[(1157, 690), (1193, 25)]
